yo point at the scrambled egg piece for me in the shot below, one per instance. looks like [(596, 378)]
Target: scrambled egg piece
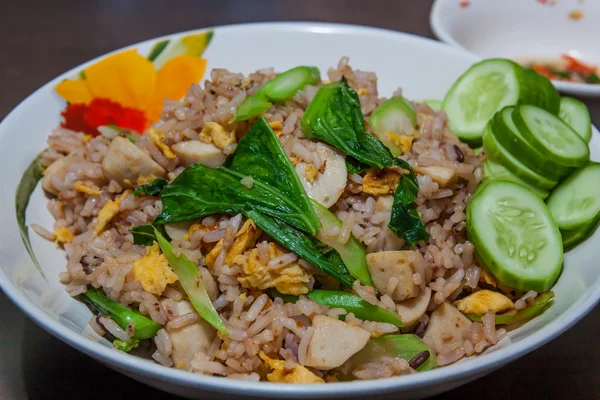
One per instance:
[(290, 279), (311, 172), (297, 374), (362, 90), (215, 133), (486, 277), (379, 183), (86, 138), (277, 126), (244, 240), (63, 235), (484, 301), (158, 137), (153, 271), (108, 212), (83, 188), (294, 160), (403, 142)]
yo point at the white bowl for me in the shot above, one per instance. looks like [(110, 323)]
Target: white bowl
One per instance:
[(523, 31), (424, 68)]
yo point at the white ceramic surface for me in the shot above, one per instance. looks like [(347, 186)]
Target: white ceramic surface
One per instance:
[(523, 30), (424, 68)]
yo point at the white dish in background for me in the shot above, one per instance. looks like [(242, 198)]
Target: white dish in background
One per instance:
[(424, 68), (523, 30)]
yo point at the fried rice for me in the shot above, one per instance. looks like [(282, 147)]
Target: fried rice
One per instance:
[(256, 322)]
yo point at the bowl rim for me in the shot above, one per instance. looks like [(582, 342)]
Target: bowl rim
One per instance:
[(439, 30), (123, 362)]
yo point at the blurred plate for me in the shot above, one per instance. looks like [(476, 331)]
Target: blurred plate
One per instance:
[(523, 30)]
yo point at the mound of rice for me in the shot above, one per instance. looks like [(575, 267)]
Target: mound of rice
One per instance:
[(255, 321)]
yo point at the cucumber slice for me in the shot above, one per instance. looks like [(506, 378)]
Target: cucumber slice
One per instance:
[(515, 236), (193, 45), (576, 236), (576, 201), (577, 116), (390, 117), (493, 170), (353, 253), (489, 86), (506, 133), (499, 154), (551, 135)]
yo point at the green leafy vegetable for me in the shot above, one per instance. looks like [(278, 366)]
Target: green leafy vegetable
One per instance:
[(354, 166), (192, 283), (151, 189), (201, 191), (540, 304), (131, 139), (404, 346), (27, 184), (405, 221), (307, 247), (353, 253), (143, 235), (281, 88), (145, 328), (126, 346), (260, 155), (349, 302), (334, 116)]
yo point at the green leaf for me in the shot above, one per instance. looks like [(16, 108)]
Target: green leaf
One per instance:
[(405, 221), (151, 189), (334, 116), (349, 302), (260, 155), (201, 191), (27, 184), (353, 252), (131, 139), (191, 282), (145, 328), (540, 304), (126, 346), (279, 89), (354, 166), (144, 235), (307, 247)]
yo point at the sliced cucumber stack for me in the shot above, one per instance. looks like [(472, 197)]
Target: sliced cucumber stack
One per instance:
[(508, 135), (494, 170), (555, 139), (489, 86), (515, 236), (389, 119), (499, 154), (577, 116), (575, 203)]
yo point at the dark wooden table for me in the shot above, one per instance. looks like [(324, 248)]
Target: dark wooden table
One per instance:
[(41, 39)]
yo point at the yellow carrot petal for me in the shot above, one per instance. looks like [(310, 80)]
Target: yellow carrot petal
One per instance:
[(126, 78), (74, 91), (173, 80)]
